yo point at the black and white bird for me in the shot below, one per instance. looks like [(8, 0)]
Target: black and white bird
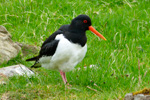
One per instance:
[(66, 47)]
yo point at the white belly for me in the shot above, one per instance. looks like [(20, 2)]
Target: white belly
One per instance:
[(66, 57)]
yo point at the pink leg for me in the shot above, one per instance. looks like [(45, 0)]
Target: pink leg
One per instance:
[(63, 75)]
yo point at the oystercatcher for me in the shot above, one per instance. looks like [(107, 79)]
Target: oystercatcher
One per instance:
[(66, 47)]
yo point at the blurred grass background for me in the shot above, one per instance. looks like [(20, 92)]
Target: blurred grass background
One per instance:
[(123, 60)]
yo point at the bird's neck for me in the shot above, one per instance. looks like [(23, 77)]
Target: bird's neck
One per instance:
[(76, 36), (76, 29)]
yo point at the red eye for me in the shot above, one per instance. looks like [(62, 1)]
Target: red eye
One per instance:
[(84, 21)]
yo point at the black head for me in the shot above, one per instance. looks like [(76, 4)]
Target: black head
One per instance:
[(80, 23)]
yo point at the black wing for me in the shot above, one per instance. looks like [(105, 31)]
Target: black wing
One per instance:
[(61, 30), (49, 46)]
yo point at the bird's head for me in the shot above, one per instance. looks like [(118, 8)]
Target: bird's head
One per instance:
[(82, 23)]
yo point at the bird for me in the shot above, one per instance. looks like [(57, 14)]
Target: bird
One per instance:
[(66, 47)]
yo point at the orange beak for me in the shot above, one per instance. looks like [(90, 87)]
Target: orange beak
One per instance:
[(92, 29)]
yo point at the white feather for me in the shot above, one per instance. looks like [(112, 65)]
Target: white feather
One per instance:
[(66, 57)]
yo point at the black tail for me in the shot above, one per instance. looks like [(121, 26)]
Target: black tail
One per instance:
[(33, 59)]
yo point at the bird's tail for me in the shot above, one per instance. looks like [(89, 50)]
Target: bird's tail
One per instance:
[(33, 59), (36, 64)]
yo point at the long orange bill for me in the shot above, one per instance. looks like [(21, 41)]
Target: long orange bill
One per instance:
[(91, 28)]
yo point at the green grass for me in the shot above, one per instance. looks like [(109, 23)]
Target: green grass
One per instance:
[(123, 60)]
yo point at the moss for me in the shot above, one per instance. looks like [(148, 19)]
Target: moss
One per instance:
[(145, 91)]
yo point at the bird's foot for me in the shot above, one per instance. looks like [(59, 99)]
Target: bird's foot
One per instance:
[(67, 85)]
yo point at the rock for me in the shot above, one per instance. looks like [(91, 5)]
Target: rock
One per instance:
[(129, 96), (8, 49), (4, 30), (28, 49), (16, 70), (139, 97), (147, 97)]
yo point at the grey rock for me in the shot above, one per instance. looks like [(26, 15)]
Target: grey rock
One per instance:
[(4, 30), (129, 96), (147, 97), (139, 97), (8, 49), (16, 70), (28, 49)]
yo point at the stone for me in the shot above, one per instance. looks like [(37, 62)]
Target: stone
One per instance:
[(139, 97), (129, 96), (15, 70), (28, 49), (8, 49), (147, 97)]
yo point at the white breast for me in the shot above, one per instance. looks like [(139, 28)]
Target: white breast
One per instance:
[(66, 57)]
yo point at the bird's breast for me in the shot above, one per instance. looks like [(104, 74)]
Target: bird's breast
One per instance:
[(67, 54)]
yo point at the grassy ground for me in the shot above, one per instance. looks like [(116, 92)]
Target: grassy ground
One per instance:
[(123, 60)]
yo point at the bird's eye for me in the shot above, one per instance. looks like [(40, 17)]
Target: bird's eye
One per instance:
[(84, 21)]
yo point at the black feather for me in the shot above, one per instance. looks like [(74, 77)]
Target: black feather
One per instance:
[(48, 44), (49, 48), (33, 59)]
